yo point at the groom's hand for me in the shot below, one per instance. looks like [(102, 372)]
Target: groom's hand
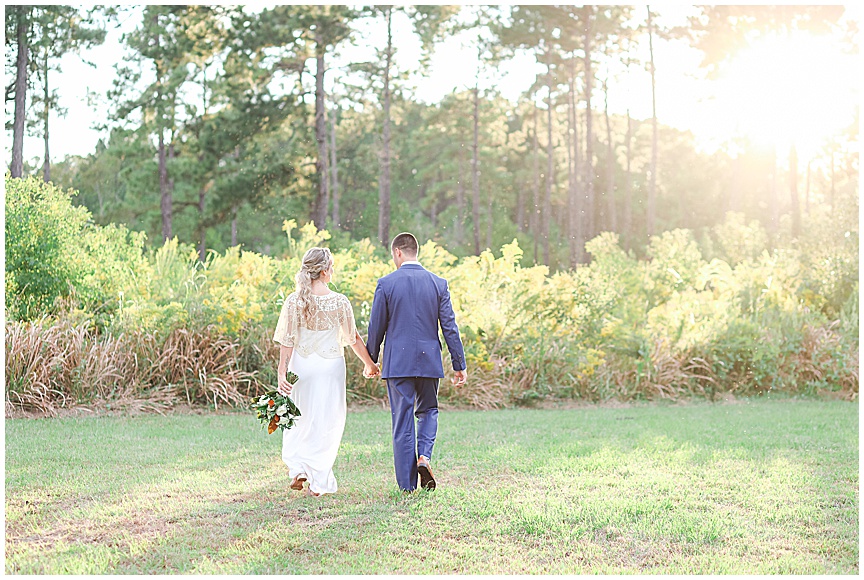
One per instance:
[(459, 378)]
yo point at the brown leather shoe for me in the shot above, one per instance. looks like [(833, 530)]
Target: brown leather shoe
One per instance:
[(427, 480), (297, 482)]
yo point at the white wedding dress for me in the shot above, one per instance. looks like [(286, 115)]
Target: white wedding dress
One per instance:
[(309, 448)]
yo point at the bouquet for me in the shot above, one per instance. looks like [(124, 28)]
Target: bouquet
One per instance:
[(275, 410)]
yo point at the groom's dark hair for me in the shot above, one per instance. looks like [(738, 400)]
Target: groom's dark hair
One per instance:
[(405, 242)]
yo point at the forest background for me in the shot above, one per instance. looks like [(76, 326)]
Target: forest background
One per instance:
[(591, 254)]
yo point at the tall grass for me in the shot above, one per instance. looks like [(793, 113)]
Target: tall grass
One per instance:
[(729, 314), (59, 365)]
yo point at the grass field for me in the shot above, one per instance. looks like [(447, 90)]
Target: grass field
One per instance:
[(762, 487)]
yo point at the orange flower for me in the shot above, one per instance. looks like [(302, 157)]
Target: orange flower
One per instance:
[(273, 425), (271, 402)]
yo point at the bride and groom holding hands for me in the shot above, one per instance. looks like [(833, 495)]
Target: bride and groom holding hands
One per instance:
[(314, 327)]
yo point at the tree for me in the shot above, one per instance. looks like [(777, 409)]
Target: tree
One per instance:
[(60, 30), (575, 233), (587, 17), (334, 169), (239, 148), (19, 20), (324, 27), (652, 186), (574, 31), (429, 23), (793, 192), (628, 178), (550, 166), (159, 45), (535, 211), (384, 180), (531, 27), (611, 212)]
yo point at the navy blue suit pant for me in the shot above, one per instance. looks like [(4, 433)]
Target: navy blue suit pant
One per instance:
[(412, 397)]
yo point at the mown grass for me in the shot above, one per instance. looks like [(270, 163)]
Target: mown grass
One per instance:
[(756, 487)]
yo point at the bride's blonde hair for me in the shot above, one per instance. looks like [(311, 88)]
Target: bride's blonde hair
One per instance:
[(315, 261)]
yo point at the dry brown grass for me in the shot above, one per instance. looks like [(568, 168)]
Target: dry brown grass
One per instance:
[(49, 367), (59, 365), (818, 357)]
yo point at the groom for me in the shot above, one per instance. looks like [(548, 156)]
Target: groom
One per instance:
[(407, 308)]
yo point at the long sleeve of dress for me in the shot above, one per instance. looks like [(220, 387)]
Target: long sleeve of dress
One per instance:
[(288, 327), (347, 325)]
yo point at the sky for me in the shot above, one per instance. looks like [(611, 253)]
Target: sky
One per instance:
[(761, 94)]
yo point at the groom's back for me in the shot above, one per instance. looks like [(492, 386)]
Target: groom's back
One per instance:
[(413, 302), (411, 347)]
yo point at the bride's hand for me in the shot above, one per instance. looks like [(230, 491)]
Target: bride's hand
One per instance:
[(284, 387), (371, 371)]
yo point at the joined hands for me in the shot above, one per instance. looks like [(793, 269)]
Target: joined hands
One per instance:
[(370, 371)]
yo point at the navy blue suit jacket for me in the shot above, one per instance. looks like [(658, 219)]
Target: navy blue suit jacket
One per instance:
[(407, 308)]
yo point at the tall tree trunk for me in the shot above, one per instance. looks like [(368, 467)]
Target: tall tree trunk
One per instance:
[(170, 160), (46, 162), (334, 170), (628, 184), (793, 192), (807, 189), (384, 181), (490, 217), (579, 205), (550, 168), (520, 208), (234, 226), (652, 184), (831, 199), (535, 211), (475, 172), (165, 187), (459, 224), (319, 215), (521, 188), (17, 168), (573, 169), (164, 190), (435, 198), (433, 206), (590, 209), (611, 211), (774, 202), (202, 231)]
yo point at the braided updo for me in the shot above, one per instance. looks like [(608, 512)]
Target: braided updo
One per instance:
[(315, 261)]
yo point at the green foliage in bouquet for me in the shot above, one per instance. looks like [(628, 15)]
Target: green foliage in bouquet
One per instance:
[(276, 411)]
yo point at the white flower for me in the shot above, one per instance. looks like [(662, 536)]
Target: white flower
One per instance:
[(282, 410), (284, 421)]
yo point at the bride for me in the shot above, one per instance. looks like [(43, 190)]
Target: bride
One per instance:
[(314, 327)]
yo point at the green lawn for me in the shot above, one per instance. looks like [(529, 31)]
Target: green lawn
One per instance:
[(758, 487)]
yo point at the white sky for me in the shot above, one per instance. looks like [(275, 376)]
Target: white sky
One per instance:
[(684, 100)]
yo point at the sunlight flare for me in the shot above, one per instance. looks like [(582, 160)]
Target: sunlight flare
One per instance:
[(784, 89)]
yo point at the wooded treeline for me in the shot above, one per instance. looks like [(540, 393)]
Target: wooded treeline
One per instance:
[(221, 128)]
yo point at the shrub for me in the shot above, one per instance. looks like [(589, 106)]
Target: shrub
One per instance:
[(43, 257), (747, 321)]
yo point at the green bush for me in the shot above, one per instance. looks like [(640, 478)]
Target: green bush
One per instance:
[(54, 251), (743, 319), (43, 247)]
